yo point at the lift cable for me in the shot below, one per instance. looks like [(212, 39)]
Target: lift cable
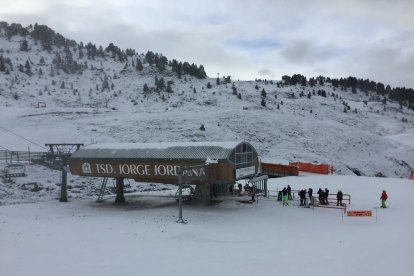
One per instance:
[(22, 137)]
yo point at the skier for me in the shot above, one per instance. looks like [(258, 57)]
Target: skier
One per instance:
[(279, 196), (339, 197), (383, 198), (253, 192), (310, 191), (302, 195), (240, 188), (320, 196), (326, 196), (289, 190), (247, 188), (285, 197)]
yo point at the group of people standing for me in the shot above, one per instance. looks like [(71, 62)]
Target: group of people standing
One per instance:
[(323, 196), (302, 196), (285, 195)]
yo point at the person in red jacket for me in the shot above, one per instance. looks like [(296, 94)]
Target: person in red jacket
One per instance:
[(383, 198)]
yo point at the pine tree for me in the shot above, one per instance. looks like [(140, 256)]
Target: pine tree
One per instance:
[(264, 93), (209, 85), (169, 89), (263, 103), (150, 57), (139, 65), (52, 71), (2, 64), (234, 90), (24, 46), (145, 89), (105, 84), (160, 84)]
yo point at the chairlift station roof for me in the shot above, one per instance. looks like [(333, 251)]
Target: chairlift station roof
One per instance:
[(189, 151)]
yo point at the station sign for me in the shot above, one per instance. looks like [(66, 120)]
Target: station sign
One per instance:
[(194, 173), (136, 170)]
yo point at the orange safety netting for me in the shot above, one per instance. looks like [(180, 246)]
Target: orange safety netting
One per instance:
[(286, 169), (309, 167)]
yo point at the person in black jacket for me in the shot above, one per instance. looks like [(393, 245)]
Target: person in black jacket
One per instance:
[(320, 196), (289, 190), (302, 195), (253, 192), (339, 197), (326, 196), (285, 197), (310, 192), (247, 188)]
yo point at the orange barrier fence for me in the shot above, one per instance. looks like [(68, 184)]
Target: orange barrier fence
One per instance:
[(309, 167), (411, 177), (279, 169)]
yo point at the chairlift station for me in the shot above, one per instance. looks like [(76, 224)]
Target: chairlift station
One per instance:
[(224, 163)]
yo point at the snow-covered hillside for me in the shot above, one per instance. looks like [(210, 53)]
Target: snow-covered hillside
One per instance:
[(372, 138)]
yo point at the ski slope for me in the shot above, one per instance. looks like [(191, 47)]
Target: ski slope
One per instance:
[(83, 237)]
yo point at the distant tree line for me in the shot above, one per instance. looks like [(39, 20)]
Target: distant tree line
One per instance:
[(405, 96), (186, 68), (49, 38)]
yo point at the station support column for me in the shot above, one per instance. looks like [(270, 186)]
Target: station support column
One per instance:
[(203, 194), (120, 198)]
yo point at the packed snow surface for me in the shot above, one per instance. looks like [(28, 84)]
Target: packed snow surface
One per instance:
[(142, 237)]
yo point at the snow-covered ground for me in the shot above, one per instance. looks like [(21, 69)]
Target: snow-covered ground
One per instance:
[(83, 237)]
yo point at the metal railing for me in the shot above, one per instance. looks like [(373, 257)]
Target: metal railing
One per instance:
[(20, 156)]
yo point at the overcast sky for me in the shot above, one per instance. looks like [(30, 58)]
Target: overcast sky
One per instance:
[(243, 38)]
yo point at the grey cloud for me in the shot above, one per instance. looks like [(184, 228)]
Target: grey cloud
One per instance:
[(372, 39), (389, 65), (266, 73), (306, 52)]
